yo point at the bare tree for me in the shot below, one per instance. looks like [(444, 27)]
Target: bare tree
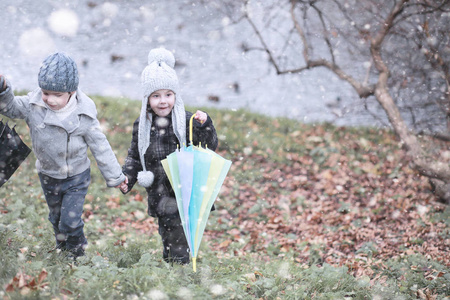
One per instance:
[(394, 51)]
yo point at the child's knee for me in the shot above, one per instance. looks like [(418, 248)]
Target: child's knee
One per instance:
[(167, 206)]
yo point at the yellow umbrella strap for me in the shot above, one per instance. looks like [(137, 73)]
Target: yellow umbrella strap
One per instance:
[(191, 121)]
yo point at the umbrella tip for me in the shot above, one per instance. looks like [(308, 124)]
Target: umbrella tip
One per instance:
[(194, 264)]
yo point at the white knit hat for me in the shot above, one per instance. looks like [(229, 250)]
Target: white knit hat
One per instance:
[(159, 74)]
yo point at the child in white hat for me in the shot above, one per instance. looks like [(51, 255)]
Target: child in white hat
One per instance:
[(160, 129), (63, 124)]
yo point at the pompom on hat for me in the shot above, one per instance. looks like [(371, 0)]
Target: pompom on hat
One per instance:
[(58, 73), (159, 74)]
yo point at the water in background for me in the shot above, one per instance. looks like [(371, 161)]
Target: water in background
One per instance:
[(110, 42)]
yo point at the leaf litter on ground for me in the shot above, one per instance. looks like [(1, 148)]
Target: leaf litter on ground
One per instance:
[(312, 194)]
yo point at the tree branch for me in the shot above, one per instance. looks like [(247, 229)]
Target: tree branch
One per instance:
[(265, 47), (437, 135), (327, 40), (362, 90), (300, 32), (376, 42)]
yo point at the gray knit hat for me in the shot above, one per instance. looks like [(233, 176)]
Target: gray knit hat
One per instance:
[(58, 73), (157, 75)]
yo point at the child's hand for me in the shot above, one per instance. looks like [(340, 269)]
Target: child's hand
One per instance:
[(201, 116), (124, 185), (2, 83), (124, 188)]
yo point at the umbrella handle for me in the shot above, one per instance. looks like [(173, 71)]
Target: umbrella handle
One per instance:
[(191, 121), (191, 142)]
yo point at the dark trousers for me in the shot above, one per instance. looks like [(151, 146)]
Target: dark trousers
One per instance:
[(175, 246), (65, 199)]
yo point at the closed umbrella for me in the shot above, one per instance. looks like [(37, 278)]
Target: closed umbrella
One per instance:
[(196, 175)]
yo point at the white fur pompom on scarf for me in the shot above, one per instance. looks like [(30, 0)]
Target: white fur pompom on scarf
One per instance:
[(145, 178)]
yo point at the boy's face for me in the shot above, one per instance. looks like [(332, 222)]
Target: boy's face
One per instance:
[(55, 100), (162, 102)]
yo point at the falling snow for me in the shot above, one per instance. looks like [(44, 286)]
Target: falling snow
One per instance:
[(35, 43), (157, 295), (110, 42), (64, 22)]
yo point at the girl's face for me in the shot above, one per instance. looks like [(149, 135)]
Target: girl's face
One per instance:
[(162, 102), (56, 100)]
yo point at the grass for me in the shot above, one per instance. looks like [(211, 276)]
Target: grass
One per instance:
[(124, 260)]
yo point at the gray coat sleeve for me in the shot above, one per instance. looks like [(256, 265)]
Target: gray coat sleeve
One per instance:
[(14, 107), (103, 154)]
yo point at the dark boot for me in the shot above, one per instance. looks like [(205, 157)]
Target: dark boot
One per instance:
[(175, 246), (76, 245)]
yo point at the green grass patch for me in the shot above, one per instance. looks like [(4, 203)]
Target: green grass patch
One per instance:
[(294, 189)]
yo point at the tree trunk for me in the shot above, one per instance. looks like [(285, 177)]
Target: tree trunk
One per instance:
[(437, 171), (441, 190)]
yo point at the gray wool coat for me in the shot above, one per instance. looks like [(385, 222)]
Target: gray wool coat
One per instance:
[(61, 146)]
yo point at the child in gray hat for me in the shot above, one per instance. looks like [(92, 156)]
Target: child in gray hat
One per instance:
[(162, 127), (63, 124)]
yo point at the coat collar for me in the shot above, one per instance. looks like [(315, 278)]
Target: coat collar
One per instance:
[(85, 106)]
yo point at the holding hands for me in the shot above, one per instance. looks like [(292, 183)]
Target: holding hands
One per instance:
[(124, 185)]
